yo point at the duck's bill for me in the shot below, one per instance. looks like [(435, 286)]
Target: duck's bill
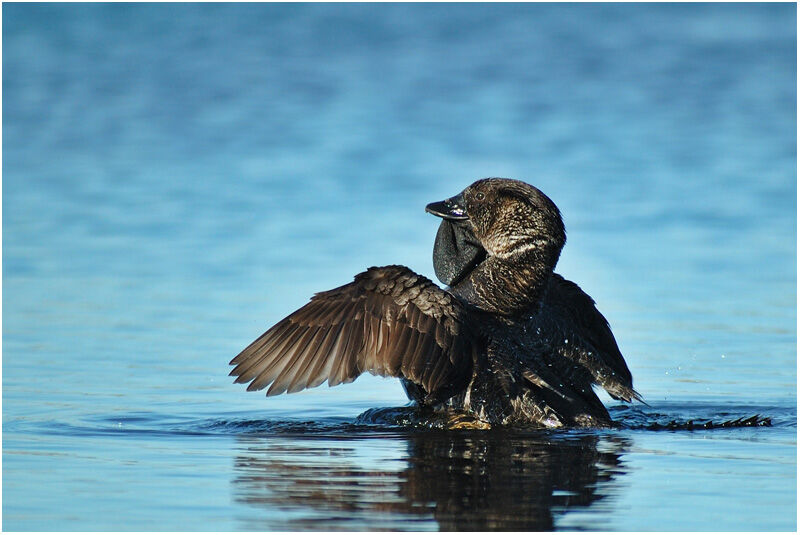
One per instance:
[(452, 208)]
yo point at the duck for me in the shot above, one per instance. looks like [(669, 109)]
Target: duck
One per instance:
[(507, 341)]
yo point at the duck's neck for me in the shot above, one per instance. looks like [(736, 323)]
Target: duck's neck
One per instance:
[(509, 286)]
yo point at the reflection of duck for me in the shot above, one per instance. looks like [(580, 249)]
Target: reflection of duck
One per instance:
[(509, 342), (464, 482)]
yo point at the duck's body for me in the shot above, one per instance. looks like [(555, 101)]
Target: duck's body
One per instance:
[(508, 342), (540, 367)]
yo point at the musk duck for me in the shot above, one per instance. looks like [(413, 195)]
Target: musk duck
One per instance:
[(508, 342)]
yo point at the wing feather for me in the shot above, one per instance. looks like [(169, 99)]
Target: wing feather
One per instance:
[(600, 355), (303, 374), (389, 321)]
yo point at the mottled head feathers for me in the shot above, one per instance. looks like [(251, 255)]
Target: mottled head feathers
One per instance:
[(510, 217), (519, 232)]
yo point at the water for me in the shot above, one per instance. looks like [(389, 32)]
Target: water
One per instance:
[(177, 178)]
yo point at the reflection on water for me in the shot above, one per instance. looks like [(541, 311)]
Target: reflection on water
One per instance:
[(461, 481)]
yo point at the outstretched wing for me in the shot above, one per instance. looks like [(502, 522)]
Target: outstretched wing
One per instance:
[(593, 333), (389, 321)]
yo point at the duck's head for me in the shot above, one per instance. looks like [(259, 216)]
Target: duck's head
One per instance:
[(495, 217)]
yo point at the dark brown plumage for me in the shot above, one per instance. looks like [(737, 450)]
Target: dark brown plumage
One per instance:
[(389, 321), (508, 342)]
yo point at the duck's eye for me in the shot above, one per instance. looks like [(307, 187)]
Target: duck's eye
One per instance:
[(480, 196)]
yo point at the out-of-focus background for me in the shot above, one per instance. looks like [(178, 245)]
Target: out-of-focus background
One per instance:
[(178, 177)]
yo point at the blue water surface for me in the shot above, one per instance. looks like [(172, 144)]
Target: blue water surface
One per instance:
[(179, 177)]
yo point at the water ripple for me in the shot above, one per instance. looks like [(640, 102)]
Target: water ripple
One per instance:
[(399, 421)]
